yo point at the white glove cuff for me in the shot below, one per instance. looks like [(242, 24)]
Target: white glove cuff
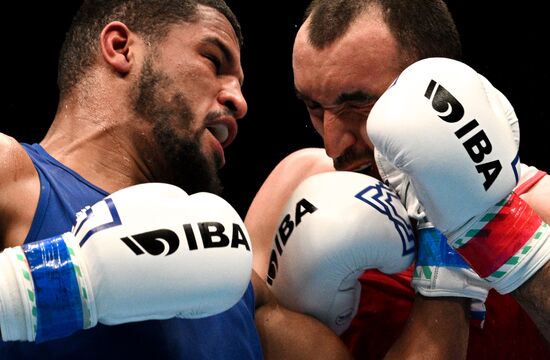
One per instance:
[(44, 291), (453, 282), (524, 264), (440, 271), (17, 297)]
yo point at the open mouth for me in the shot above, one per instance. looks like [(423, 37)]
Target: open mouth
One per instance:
[(220, 132), (363, 169)]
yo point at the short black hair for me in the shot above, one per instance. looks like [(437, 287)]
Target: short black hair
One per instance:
[(150, 18), (422, 28)]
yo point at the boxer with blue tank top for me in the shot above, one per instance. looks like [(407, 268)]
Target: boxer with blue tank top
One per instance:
[(229, 335), (115, 244)]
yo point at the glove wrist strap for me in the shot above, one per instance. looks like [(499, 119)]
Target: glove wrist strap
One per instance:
[(60, 298), (17, 297), (482, 244)]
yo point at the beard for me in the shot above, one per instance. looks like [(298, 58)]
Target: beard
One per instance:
[(349, 157), (172, 120)]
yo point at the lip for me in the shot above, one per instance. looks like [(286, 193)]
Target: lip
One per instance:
[(364, 168)]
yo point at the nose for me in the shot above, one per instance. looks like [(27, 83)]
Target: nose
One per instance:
[(232, 98), (337, 135)]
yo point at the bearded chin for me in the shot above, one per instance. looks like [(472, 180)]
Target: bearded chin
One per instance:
[(185, 165), (191, 170)]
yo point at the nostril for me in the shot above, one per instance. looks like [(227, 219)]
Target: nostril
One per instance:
[(231, 106)]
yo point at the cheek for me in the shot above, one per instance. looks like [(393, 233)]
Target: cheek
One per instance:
[(200, 105), (356, 123), (365, 136), (199, 89), (198, 82)]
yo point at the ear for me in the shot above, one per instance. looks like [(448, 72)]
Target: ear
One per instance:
[(115, 46)]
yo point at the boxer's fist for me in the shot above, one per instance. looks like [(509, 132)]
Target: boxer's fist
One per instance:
[(439, 269), (443, 125), (449, 130), (334, 227), (441, 272), (146, 252)]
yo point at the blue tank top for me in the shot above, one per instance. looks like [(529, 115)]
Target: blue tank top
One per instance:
[(229, 335)]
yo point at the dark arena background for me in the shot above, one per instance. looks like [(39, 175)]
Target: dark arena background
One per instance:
[(494, 43)]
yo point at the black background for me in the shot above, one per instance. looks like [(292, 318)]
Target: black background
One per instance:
[(502, 41)]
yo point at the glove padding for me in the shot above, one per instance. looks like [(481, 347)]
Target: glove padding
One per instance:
[(334, 227), (448, 129), (146, 252), (439, 269)]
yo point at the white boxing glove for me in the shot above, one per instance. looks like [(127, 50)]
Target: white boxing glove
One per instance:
[(448, 129), (439, 270), (335, 226), (148, 251)]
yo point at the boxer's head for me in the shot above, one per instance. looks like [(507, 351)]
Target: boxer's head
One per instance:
[(151, 19), (172, 71), (348, 52)]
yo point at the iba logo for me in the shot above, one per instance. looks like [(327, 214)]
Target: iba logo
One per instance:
[(302, 208), (166, 242), (376, 196), (477, 145), (211, 234)]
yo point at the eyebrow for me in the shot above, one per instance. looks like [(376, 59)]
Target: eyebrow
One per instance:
[(229, 58), (301, 96), (359, 96)]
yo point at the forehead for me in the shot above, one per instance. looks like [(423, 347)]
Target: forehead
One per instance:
[(216, 21), (209, 24), (366, 59), (210, 30)]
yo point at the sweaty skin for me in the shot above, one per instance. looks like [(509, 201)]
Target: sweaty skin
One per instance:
[(340, 82), (117, 126), (448, 317)]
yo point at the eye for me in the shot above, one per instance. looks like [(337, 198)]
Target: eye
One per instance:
[(312, 105), (315, 110), (362, 105), (215, 61)]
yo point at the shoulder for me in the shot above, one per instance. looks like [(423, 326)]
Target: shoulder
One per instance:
[(263, 214), (288, 174), (14, 161), (7, 144), (19, 190), (298, 166), (307, 162)]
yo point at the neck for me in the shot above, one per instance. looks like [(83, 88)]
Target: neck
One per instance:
[(101, 144)]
